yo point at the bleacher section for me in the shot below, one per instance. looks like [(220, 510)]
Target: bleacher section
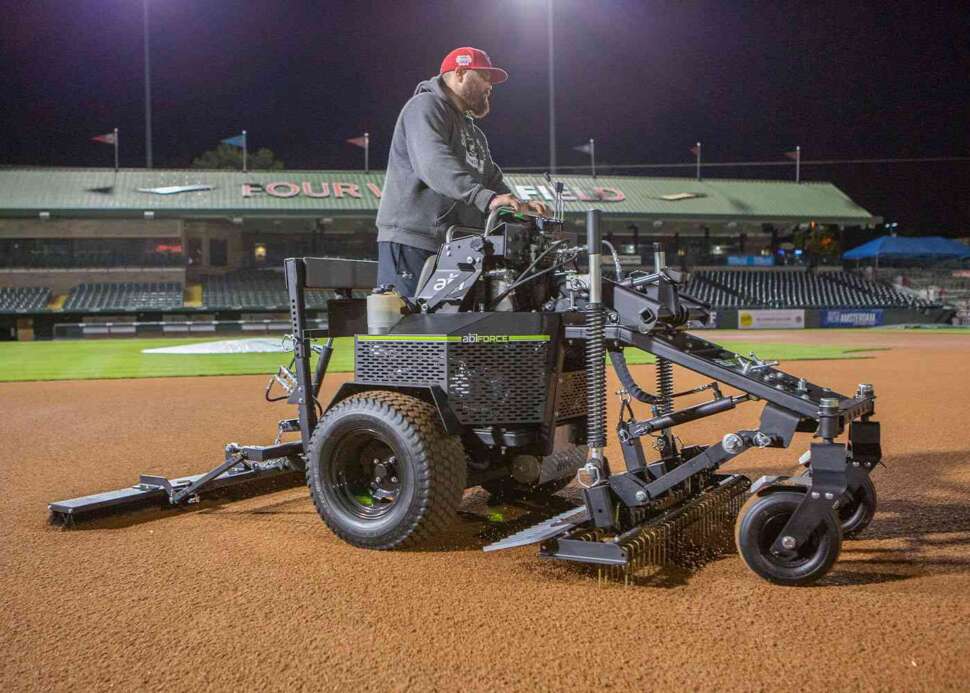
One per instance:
[(947, 284), (252, 290), (124, 296), (85, 259), (23, 300), (258, 289), (795, 289)]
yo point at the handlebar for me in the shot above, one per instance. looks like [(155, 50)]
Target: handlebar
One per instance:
[(490, 222)]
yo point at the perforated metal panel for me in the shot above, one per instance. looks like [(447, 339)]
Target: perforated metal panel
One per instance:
[(402, 363), (571, 396), (498, 383)]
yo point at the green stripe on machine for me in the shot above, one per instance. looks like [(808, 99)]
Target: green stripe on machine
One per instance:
[(457, 339), (407, 338)]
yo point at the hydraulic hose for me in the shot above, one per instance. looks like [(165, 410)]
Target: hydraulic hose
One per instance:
[(616, 260), (523, 278), (626, 379)]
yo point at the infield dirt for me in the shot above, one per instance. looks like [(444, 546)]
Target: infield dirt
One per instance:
[(258, 594)]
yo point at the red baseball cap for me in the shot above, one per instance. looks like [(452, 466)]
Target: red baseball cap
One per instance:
[(472, 59)]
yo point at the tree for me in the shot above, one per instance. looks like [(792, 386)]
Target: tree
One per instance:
[(228, 157)]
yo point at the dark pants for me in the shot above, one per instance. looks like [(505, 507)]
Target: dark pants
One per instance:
[(400, 266)]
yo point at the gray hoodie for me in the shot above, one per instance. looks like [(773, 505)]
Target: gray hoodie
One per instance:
[(439, 172)]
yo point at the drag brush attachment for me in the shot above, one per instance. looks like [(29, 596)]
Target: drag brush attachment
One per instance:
[(687, 533)]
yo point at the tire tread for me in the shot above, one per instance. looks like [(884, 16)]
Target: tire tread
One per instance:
[(439, 492)]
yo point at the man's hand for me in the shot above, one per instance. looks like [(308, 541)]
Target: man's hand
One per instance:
[(539, 208), (511, 201), (507, 200)]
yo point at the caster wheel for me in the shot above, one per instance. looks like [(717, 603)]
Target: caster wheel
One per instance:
[(857, 508), (761, 520)]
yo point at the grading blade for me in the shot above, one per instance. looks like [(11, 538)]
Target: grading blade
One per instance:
[(546, 529)]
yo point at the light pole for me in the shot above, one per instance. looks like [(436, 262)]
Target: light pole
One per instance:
[(148, 96), (552, 89)]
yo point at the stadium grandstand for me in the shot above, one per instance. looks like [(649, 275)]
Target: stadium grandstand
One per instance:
[(95, 245), (796, 289), (258, 289)]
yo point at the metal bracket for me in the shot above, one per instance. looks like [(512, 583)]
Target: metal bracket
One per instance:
[(864, 443), (829, 482)]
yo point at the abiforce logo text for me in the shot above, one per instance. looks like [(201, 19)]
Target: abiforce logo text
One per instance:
[(484, 338)]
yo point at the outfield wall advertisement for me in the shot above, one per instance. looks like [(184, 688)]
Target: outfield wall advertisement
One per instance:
[(869, 317), (771, 319)]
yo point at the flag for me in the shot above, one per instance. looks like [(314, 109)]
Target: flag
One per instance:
[(793, 154), (106, 139), (358, 141), (696, 149), (585, 148), (237, 141)]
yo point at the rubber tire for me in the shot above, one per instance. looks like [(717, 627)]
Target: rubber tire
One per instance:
[(508, 488), (435, 463), (778, 506), (857, 515)]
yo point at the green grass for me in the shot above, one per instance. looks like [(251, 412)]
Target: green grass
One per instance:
[(123, 358)]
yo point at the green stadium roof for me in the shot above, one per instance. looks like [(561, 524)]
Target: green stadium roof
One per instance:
[(98, 192)]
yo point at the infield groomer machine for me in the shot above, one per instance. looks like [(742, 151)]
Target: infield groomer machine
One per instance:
[(495, 375)]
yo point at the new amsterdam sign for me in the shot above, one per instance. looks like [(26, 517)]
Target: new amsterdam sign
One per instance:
[(339, 190)]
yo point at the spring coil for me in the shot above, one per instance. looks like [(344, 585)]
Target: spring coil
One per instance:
[(665, 386), (595, 376)]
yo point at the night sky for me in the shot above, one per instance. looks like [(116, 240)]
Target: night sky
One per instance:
[(646, 79)]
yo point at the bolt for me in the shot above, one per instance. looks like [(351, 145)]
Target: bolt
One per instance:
[(789, 543), (732, 443), (762, 440), (816, 494), (641, 496), (855, 464), (829, 496), (393, 479)]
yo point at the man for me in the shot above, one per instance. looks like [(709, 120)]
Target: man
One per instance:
[(439, 171)]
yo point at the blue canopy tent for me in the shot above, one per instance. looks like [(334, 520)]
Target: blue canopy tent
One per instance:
[(898, 247)]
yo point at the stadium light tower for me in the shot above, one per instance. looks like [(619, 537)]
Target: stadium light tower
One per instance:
[(148, 95), (552, 88)]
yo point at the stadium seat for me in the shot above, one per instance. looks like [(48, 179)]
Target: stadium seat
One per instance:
[(795, 289), (24, 299), (258, 289), (124, 296)]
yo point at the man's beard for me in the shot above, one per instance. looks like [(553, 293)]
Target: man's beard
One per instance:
[(480, 107)]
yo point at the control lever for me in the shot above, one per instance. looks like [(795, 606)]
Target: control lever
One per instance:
[(559, 211)]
